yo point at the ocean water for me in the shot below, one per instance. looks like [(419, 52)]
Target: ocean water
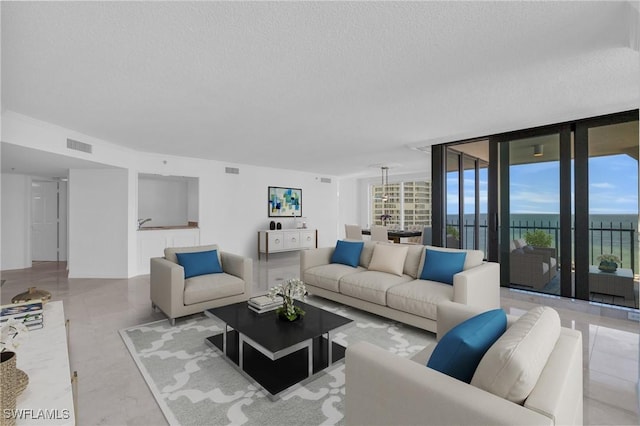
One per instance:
[(613, 233)]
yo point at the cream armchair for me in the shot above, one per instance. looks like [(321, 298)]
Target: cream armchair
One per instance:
[(176, 296), (383, 388)]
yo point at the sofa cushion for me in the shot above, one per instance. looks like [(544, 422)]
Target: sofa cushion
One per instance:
[(347, 253), (328, 276), (371, 286), (442, 266), (511, 367), (213, 286), (389, 258), (170, 252), (367, 253), (474, 257), (459, 351), (419, 297), (520, 242), (412, 263), (199, 263)]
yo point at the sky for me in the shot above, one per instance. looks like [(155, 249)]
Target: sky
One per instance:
[(613, 187)]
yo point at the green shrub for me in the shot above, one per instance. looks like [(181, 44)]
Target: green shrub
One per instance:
[(538, 238), (453, 231)]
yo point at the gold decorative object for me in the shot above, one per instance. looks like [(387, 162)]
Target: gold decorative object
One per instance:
[(32, 294)]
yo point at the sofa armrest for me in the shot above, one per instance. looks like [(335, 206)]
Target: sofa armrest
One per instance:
[(479, 286), (450, 314), (383, 389), (239, 266), (166, 284), (315, 257), (546, 251)]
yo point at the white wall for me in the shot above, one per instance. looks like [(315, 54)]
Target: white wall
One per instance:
[(16, 222), (98, 223), (165, 201), (231, 208), (349, 205), (193, 199)]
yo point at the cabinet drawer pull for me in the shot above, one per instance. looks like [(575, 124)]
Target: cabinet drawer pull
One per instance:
[(277, 240)]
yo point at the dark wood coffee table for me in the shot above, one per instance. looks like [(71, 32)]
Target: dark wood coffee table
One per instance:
[(278, 354)]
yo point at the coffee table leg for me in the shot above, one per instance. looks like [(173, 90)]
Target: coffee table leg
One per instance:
[(224, 340), (241, 351), (330, 352), (310, 360)]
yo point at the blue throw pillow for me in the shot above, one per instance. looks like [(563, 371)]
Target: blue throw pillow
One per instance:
[(459, 352), (347, 252), (199, 263), (441, 266)]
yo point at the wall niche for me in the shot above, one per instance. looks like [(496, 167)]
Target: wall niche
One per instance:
[(169, 201)]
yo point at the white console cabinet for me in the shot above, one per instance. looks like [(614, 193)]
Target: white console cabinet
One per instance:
[(280, 240)]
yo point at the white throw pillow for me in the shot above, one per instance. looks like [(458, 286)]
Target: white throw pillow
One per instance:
[(388, 258), (511, 367)]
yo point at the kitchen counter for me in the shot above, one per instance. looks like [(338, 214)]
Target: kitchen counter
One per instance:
[(155, 228)]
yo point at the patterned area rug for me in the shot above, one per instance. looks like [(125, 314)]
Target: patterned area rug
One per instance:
[(195, 385)]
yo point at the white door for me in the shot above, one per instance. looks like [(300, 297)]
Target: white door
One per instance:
[(44, 221)]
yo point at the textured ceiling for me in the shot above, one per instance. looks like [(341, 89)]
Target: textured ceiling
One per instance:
[(327, 87)]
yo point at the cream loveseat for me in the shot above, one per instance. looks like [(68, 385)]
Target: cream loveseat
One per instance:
[(400, 295), (540, 361), (176, 296)]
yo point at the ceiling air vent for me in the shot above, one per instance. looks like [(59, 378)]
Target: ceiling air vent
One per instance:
[(79, 146), (325, 180), (232, 170)]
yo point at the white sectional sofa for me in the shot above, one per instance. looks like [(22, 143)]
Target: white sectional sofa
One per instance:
[(401, 296), (383, 388)]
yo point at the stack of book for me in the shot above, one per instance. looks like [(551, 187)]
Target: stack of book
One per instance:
[(262, 304), (28, 313)]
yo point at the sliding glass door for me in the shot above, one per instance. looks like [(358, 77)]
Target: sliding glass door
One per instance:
[(550, 204), (606, 257), (530, 226)]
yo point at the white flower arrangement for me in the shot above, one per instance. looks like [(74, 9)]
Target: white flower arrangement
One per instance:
[(291, 289), (608, 258), (12, 334)]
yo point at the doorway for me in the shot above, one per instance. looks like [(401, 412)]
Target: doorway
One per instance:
[(48, 220)]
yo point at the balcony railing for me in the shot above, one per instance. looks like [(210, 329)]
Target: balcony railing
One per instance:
[(615, 238)]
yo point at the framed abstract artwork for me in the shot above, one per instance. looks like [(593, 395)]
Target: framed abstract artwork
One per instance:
[(285, 202)]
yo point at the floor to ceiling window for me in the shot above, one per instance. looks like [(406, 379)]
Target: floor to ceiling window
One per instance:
[(562, 200), (529, 172), (466, 196), (612, 222), (401, 205)]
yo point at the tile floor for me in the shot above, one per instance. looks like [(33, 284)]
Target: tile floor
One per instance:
[(112, 391)]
